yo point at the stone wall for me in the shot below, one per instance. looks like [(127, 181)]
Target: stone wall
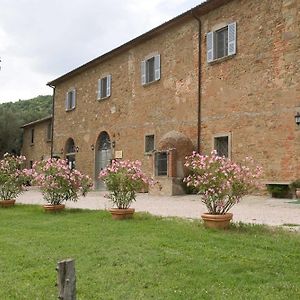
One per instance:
[(254, 95), (133, 111), (41, 148)]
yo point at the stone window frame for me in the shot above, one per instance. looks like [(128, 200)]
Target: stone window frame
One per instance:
[(108, 79), (147, 151), (219, 135), (145, 65), (211, 42), (70, 103)]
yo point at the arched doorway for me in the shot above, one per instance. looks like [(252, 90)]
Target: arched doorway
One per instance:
[(70, 151), (103, 157)]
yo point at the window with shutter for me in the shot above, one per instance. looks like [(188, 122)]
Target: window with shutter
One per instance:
[(104, 87), (221, 43), (150, 69), (70, 100)]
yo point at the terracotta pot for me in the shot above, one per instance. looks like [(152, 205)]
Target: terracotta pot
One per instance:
[(298, 193), (121, 213), (54, 207), (217, 221), (7, 203)]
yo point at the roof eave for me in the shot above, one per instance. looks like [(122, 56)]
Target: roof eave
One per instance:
[(37, 122), (199, 10)]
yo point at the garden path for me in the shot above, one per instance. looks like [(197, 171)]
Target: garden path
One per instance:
[(252, 209)]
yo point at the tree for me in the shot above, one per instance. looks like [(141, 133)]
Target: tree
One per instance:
[(15, 114)]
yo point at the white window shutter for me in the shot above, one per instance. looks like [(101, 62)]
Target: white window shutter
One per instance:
[(108, 86), (232, 38), (99, 89), (210, 46), (143, 72), (157, 67), (73, 99), (67, 101)]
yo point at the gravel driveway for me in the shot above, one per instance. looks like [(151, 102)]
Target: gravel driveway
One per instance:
[(252, 209)]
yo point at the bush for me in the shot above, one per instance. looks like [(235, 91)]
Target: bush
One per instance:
[(279, 190)]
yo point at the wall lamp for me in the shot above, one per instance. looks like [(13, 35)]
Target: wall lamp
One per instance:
[(92, 147)]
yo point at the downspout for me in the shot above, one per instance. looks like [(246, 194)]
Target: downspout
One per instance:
[(52, 121), (199, 84)]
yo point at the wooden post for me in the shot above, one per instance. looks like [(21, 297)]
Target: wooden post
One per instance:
[(66, 279)]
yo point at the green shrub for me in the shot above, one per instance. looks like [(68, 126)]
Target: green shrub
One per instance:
[(295, 185), (279, 190)]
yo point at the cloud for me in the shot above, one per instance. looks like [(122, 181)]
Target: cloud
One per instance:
[(41, 40)]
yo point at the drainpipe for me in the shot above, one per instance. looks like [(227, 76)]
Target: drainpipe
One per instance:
[(52, 122), (199, 83)]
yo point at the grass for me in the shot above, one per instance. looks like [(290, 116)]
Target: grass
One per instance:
[(144, 258)]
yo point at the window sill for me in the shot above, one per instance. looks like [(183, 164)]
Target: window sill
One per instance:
[(150, 153), (219, 60), (149, 83), (103, 98), (32, 144), (70, 109), (48, 141)]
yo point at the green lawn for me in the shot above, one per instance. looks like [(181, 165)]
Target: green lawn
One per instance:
[(144, 258)]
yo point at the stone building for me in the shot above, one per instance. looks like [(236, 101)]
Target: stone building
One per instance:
[(224, 75), (37, 138)]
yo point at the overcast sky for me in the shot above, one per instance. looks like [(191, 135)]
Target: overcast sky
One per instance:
[(41, 40)]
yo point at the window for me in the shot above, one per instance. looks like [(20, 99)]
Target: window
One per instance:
[(161, 163), (149, 143), (49, 132), (32, 136), (104, 87), (150, 69), (70, 100), (221, 145), (30, 164), (221, 43)]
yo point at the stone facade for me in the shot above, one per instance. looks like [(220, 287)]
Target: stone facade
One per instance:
[(254, 95), (250, 97), (38, 146), (133, 110)]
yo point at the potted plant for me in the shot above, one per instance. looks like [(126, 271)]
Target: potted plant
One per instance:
[(295, 186), (12, 178), (123, 179), (59, 183), (221, 184)]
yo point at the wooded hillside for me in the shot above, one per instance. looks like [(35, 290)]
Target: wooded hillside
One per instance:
[(15, 114)]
